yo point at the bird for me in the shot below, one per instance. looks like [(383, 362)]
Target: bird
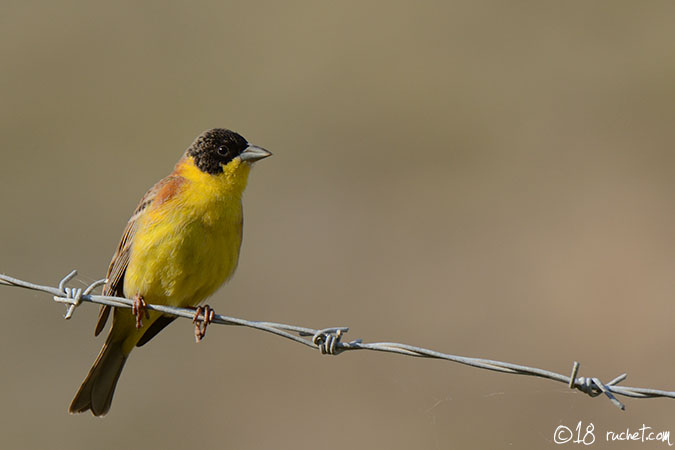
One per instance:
[(179, 246)]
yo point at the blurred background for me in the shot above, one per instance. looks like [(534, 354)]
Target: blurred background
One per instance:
[(488, 179)]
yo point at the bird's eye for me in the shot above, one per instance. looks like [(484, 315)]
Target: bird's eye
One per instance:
[(222, 150)]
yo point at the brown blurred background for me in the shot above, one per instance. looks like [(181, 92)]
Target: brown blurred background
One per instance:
[(484, 179)]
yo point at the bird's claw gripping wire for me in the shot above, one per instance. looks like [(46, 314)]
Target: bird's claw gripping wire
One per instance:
[(73, 296), (139, 309), (201, 324), (593, 386)]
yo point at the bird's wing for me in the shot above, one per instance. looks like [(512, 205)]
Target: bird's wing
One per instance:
[(157, 326), (120, 260)]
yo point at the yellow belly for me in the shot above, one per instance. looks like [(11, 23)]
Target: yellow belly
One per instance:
[(185, 246), (181, 256)]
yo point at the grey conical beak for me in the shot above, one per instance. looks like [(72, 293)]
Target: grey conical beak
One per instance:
[(253, 154)]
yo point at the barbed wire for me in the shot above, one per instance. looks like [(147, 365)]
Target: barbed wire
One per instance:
[(329, 340)]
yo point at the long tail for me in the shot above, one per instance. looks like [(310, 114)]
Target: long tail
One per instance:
[(96, 392)]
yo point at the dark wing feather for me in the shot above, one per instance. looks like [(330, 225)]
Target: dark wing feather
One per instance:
[(120, 260), (157, 326)]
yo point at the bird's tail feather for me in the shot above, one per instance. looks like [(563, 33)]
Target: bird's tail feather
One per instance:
[(96, 392)]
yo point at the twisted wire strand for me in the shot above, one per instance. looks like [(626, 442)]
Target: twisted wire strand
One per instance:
[(329, 341)]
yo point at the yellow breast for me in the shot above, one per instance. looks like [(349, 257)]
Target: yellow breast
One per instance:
[(187, 245)]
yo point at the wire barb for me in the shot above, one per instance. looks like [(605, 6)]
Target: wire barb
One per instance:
[(573, 376), (329, 341), (73, 296), (594, 387)]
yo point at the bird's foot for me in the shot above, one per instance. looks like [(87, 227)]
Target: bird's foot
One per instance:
[(200, 325), (139, 310)]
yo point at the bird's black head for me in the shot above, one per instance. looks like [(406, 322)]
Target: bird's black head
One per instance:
[(215, 148)]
